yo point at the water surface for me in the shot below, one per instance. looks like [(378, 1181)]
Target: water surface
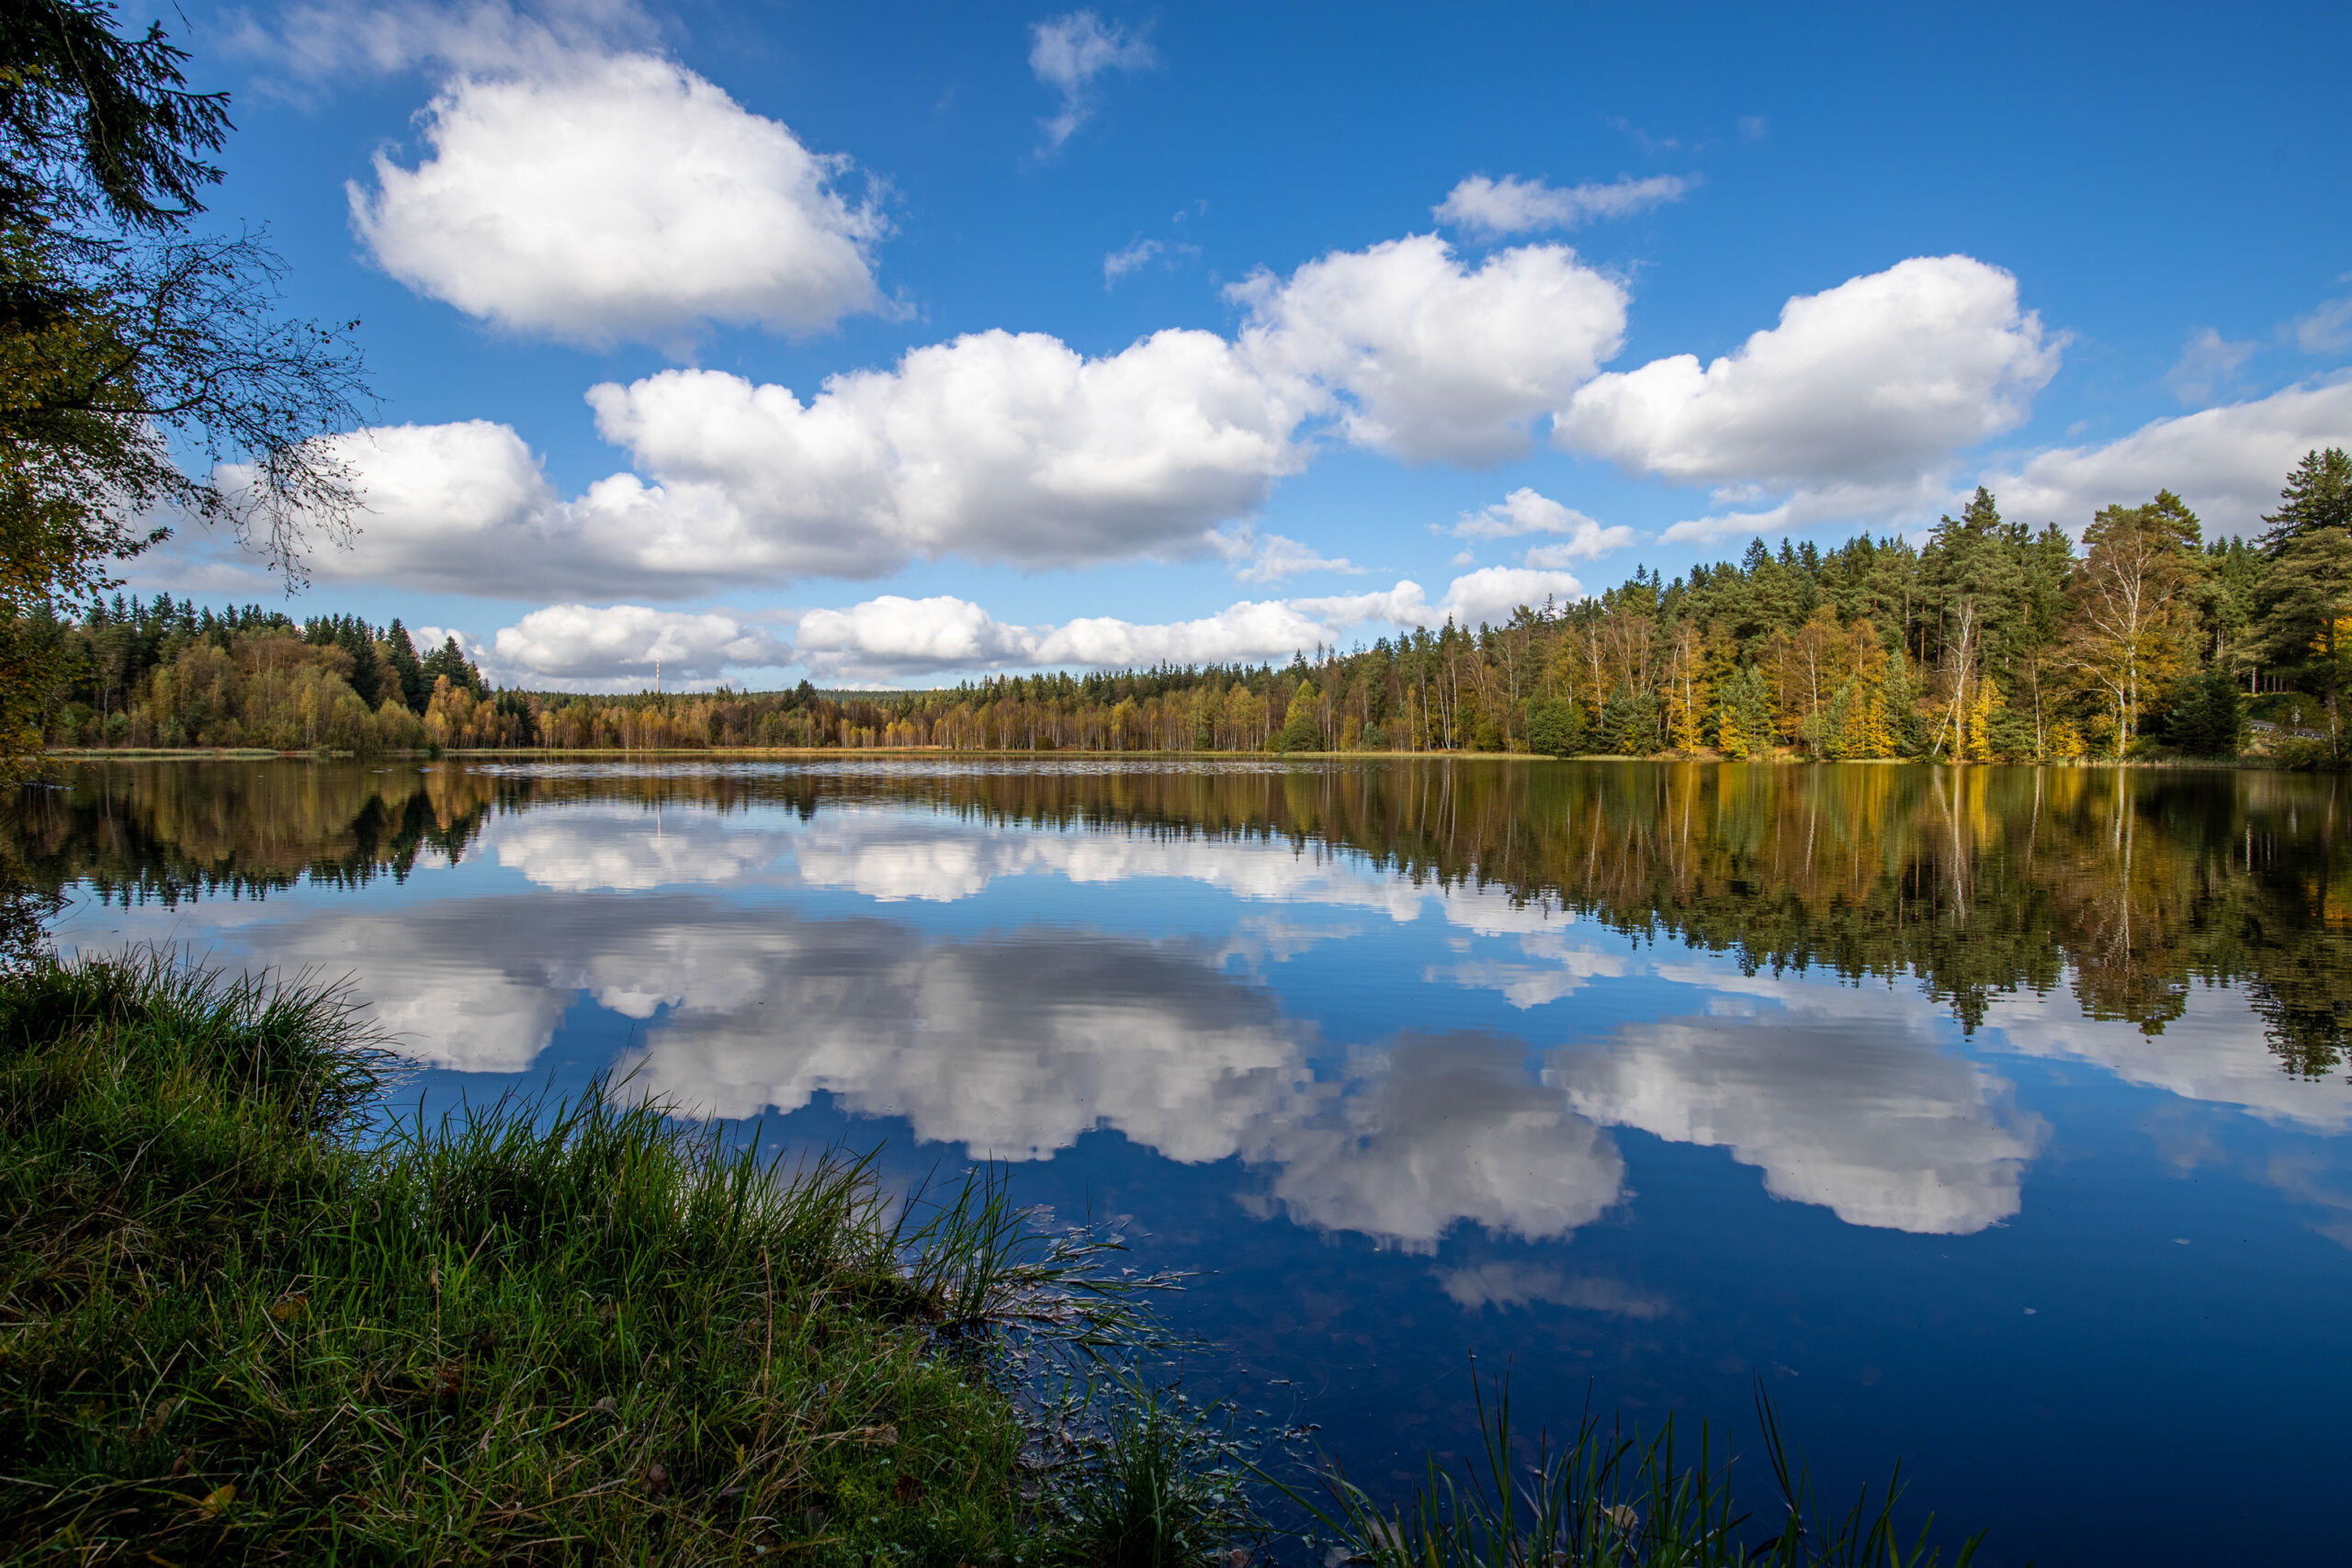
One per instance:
[(1996, 1118)]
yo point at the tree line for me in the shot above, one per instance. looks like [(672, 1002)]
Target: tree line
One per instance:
[(131, 338), (1991, 642), (165, 673)]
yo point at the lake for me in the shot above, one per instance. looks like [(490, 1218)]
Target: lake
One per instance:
[(1995, 1118)]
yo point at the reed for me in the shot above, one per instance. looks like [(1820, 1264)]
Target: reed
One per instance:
[(1609, 1498)]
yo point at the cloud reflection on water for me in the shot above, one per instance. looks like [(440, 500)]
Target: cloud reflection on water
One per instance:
[(1013, 1044)]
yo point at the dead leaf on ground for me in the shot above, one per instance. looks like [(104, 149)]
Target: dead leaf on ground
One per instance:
[(218, 1498)]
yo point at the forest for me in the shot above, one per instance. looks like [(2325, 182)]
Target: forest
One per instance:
[(1990, 641)]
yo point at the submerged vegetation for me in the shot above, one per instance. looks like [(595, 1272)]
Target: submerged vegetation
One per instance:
[(245, 1318), (1610, 1498)]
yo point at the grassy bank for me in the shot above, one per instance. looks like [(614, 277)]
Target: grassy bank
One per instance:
[(242, 1318), (231, 1328)]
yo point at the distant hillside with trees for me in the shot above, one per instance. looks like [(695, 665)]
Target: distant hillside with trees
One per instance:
[(1991, 642)]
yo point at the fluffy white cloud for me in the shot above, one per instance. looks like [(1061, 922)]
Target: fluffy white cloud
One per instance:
[(1869, 383), (2227, 462), (1268, 558), (1431, 360), (1513, 206), (579, 643), (445, 506), (1491, 593), (1069, 53), (891, 635), (619, 197), (1523, 510), (999, 448)]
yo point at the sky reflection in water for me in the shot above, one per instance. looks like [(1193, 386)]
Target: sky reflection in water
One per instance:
[(1644, 1079)]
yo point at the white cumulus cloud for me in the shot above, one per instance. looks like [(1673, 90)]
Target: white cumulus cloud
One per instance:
[(1269, 557), (1513, 206), (1525, 511), (1430, 360), (893, 634), (1069, 53), (890, 635), (1869, 382), (619, 197), (574, 643), (996, 448), (2226, 462), (1490, 595), (999, 448)]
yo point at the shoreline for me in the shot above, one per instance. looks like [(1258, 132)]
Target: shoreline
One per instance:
[(2250, 763), (599, 1325)]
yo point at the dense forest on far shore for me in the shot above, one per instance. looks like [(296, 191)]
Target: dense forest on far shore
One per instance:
[(1990, 642)]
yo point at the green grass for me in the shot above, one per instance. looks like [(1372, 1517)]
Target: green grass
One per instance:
[(247, 1317), (234, 1326)]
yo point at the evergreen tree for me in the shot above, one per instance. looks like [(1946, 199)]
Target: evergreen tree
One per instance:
[(408, 674), (366, 671), (2208, 715), (1557, 728), (450, 660), (2318, 495)]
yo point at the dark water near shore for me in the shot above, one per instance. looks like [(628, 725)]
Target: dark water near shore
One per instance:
[(1995, 1118)]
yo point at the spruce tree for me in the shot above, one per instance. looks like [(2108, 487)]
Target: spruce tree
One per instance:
[(408, 674)]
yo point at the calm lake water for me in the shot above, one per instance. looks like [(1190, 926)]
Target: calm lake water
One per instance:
[(1996, 1118)]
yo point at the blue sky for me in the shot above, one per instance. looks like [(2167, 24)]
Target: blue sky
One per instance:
[(888, 343)]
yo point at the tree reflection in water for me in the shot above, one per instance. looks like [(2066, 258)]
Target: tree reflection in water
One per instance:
[(1983, 882)]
